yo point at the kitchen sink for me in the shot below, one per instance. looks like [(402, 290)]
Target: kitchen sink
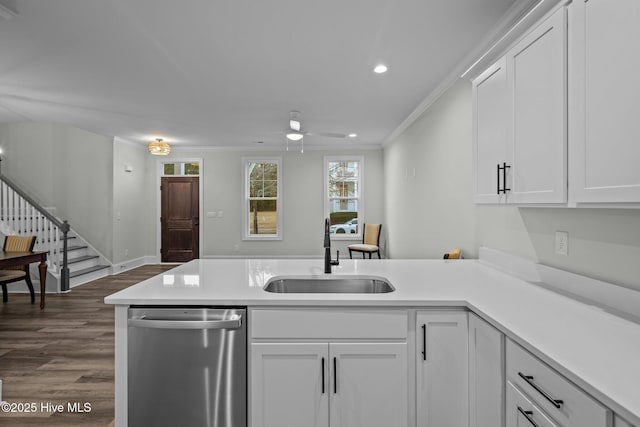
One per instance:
[(328, 285)]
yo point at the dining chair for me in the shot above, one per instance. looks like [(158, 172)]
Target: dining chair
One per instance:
[(370, 241), (21, 272)]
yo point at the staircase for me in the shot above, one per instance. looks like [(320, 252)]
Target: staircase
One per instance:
[(85, 263), (70, 260)]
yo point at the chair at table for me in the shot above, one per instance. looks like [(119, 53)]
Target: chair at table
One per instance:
[(21, 272), (370, 241)]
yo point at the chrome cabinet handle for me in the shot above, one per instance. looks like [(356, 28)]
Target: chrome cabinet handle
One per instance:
[(529, 379), (527, 415)]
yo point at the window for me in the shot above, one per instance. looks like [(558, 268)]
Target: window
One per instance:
[(343, 189), (262, 211), (181, 169)]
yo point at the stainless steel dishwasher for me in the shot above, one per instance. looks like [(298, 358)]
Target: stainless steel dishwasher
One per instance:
[(187, 367)]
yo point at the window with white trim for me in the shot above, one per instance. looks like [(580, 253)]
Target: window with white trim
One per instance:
[(343, 195), (263, 199)]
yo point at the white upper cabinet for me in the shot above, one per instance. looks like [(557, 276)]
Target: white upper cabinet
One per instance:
[(519, 122), (537, 74), (604, 94), (490, 130)]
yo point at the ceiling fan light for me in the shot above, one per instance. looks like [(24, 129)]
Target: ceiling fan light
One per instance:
[(294, 135), (294, 124), (380, 69)]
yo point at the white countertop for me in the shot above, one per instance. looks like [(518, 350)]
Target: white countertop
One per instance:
[(595, 349)]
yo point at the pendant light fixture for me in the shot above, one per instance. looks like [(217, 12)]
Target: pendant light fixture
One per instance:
[(159, 147)]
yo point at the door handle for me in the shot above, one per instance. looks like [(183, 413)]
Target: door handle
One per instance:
[(529, 379), (502, 168), (322, 364), (527, 415), (424, 342), (335, 375), (141, 322)]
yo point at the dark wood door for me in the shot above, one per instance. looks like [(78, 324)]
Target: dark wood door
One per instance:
[(180, 219)]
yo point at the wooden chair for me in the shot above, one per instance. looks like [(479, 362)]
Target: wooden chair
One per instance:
[(370, 241), (21, 272)]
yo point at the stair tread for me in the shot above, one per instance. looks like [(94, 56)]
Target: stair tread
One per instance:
[(87, 270), (81, 258)]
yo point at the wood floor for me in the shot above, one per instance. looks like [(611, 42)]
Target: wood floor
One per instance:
[(63, 355)]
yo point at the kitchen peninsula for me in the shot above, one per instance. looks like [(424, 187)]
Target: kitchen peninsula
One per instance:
[(593, 353)]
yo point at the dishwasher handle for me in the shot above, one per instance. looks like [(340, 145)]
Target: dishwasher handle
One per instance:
[(141, 322)]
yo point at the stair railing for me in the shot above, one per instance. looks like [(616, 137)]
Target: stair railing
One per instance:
[(22, 215)]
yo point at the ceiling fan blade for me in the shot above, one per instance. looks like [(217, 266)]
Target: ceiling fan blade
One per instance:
[(327, 134)]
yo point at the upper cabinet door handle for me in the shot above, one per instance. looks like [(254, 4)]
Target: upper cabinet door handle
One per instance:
[(529, 379), (503, 168)]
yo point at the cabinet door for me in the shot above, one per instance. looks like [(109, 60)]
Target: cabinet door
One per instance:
[(288, 387), (604, 133), (368, 385), (442, 369), (491, 136), (537, 74), (486, 374)]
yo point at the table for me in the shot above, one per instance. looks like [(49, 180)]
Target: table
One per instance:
[(12, 259)]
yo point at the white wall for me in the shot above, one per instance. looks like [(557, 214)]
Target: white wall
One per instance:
[(432, 213), (133, 198), (66, 168), (303, 198)]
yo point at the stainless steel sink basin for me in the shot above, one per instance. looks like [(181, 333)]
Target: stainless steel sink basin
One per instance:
[(329, 285)]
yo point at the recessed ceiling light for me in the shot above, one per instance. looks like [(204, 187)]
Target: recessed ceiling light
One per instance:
[(353, 135), (380, 69)]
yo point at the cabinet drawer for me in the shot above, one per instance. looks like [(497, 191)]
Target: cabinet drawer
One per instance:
[(552, 392), (328, 323), (522, 413)]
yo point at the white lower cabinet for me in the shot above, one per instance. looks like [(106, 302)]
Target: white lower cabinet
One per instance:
[(329, 384), (551, 395), (288, 386), (442, 382), (486, 374), (368, 384), (321, 368)]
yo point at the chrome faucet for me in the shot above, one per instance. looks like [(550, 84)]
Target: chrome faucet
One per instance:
[(328, 262)]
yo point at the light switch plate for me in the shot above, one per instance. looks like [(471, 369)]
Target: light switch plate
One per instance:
[(562, 242)]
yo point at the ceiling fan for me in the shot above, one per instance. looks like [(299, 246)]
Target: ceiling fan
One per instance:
[(295, 132)]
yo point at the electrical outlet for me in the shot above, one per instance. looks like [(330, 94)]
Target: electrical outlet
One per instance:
[(562, 242)]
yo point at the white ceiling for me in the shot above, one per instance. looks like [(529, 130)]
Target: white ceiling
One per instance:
[(227, 72)]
